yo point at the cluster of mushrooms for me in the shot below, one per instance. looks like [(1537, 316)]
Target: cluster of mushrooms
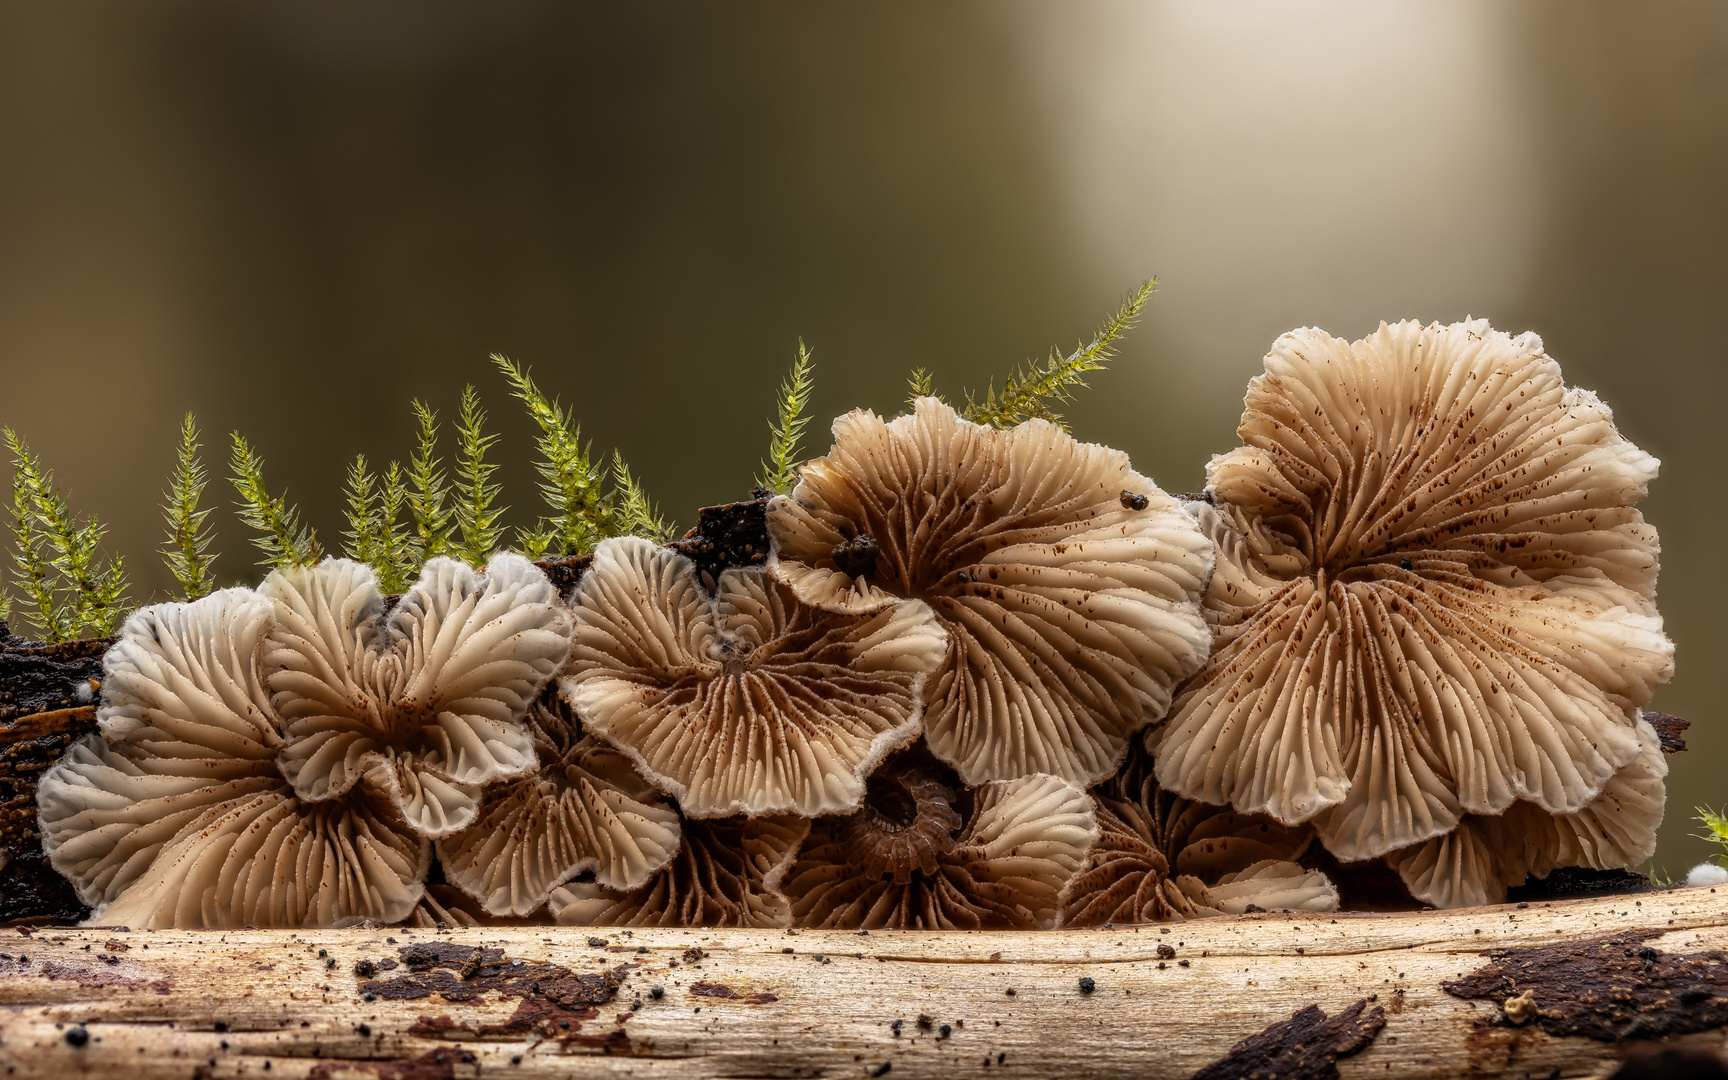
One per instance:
[(986, 679)]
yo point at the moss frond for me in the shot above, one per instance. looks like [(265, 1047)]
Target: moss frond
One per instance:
[(570, 480), (31, 569), (788, 430), (364, 531), (476, 519), (1032, 391), (280, 536), (98, 592), (636, 514), (1717, 826), (396, 566), (921, 383), (428, 488), (187, 553)]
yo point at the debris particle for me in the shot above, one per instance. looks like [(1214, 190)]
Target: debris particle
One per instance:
[(77, 1036), (882, 1069), (1087, 985), (944, 1031), (657, 992), (1520, 1009), (1165, 952), (366, 969)]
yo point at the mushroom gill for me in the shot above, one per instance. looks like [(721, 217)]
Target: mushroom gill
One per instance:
[(1434, 597), (1163, 858), (1476, 862), (747, 701), (904, 861), (425, 699), (584, 809), (1067, 582), (728, 873), (177, 816)]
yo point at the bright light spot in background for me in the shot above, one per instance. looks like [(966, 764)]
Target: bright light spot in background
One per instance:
[(1279, 165)]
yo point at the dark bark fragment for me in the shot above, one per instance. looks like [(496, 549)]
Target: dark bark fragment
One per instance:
[(1305, 1047), (1573, 882), (46, 703), (1670, 730), (729, 535), (1607, 988)]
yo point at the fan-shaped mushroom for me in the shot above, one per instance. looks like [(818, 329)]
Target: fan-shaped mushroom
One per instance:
[(904, 862), (183, 819), (747, 701), (1161, 857), (1068, 583), (1434, 597), (585, 809), (727, 874), (1476, 862), (426, 699)]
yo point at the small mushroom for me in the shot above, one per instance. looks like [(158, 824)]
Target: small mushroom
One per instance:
[(747, 701), (728, 873), (904, 862), (1476, 862), (1434, 597), (177, 816), (1068, 583), (1161, 857), (425, 700), (584, 809)]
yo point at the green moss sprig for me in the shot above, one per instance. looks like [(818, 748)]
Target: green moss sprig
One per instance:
[(188, 551), (787, 430), (56, 562), (281, 537)]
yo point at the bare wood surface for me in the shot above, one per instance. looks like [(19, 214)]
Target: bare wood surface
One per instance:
[(109, 1002)]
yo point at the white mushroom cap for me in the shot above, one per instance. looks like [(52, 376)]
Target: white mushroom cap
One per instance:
[(1272, 885), (585, 809), (426, 699), (1476, 862), (747, 702), (1434, 596), (183, 820), (727, 874), (1026, 838), (1068, 583)]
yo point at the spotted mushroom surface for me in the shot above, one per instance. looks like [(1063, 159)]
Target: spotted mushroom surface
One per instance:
[(1067, 582), (1476, 862), (177, 815), (728, 873), (746, 701), (908, 860), (1434, 595), (584, 809), (425, 699)]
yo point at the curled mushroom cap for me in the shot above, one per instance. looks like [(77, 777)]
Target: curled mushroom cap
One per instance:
[(748, 701), (1433, 597), (728, 873), (425, 699), (584, 809), (1161, 857), (905, 862), (1068, 583), (176, 816), (1476, 862)]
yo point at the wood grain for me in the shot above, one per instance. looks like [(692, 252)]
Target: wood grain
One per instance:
[(809, 1004)]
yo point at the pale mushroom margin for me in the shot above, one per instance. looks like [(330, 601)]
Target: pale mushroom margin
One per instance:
[(1434, 598)]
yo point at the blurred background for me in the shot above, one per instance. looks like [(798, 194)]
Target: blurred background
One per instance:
[(292, 218)]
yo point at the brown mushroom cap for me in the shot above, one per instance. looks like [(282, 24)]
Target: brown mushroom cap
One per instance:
[(1161, 857), (896, 864), (727, 874), (1434, 597), (748, 702), (426, 699), (184, 821), (1476, 862), (585, 809), (1068, 583)]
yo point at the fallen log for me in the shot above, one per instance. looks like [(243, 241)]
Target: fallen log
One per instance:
[(1592, 982)]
